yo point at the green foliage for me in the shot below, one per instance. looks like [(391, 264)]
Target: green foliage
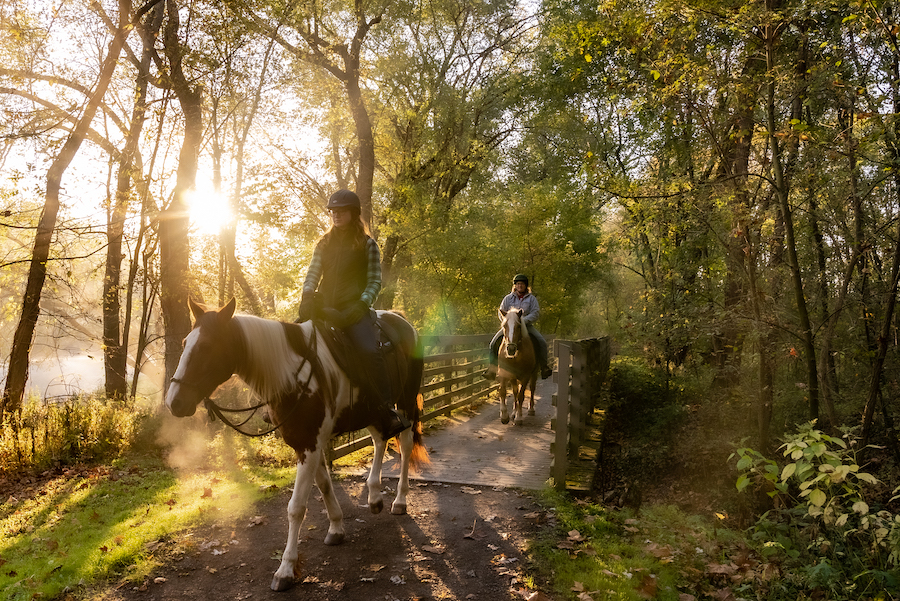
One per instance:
[(86, 428), (826, 523), (658, 553)]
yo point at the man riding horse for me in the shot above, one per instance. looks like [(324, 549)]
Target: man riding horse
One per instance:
[(522, 298)]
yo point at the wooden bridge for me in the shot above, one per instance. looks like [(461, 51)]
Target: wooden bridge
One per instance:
[(557, 446)]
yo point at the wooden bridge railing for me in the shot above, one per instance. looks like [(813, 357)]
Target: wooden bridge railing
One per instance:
[(452, 379), (581, 371)]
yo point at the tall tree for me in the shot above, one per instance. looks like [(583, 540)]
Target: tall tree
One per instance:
[(14, 389), (173, 219)]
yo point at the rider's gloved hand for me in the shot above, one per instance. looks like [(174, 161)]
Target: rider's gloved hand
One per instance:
[(308, 307), (354, 313)]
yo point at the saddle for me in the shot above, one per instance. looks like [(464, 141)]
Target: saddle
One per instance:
[(350, 361)]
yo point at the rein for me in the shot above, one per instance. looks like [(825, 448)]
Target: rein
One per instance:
[(218, 411)]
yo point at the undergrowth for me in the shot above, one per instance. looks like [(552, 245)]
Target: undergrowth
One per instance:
[(41, 435)]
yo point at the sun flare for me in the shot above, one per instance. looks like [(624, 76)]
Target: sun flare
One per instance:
[(209, 211)]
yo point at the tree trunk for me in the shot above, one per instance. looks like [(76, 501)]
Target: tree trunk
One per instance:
[(174, 245), (115, 336), (14, 389), (780, 168)]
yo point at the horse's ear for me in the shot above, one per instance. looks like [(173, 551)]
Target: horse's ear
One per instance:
[(226, 312), (196, 309), (501, 314)]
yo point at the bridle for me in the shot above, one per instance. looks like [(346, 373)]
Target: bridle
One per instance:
[(217, 411), (512, 346)]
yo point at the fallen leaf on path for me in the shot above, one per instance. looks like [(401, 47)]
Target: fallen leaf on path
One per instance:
[(648, 587), (724, 594), (430, 549), (584, 597), (575, 536), (159, 580), (718, 568), (207, 492), (470, 491), (578, 586)]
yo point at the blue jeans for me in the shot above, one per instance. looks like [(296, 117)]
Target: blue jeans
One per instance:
[(364, 335)]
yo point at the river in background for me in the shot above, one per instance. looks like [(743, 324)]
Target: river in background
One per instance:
[(55, 379)]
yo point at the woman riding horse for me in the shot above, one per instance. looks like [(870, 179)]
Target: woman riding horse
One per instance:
[(521, 298), (343, 280)]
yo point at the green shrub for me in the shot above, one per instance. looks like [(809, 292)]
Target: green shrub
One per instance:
[(826, 523), (82, 429)]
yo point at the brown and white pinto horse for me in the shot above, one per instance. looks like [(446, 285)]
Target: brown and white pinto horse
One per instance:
[(518, 364), (310, 397)]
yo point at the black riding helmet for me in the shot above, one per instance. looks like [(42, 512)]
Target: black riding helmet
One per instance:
[(521, 278), (342, 199)]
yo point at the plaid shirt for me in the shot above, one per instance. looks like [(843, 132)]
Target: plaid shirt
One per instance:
[(373, 272)]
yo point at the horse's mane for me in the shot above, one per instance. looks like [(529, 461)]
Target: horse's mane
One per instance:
[(272, 362)]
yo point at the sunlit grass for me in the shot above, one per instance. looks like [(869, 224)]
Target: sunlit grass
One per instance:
[(116, 523), (615, 554)]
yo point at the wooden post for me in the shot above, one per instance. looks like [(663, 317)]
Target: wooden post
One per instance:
[(576, 399), (561, 445)]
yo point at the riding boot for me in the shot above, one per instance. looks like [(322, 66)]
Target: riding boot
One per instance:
[(491, 372), (378, 382), (391, 422)]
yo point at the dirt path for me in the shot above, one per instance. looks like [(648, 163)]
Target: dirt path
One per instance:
[(463, 539)]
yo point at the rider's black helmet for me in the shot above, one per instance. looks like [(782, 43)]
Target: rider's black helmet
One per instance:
[(343, 198), (521, 278)]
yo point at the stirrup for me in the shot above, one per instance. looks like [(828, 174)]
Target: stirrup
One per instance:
[(395, 424)]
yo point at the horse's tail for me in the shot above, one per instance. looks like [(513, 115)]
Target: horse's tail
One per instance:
[(419, 455)]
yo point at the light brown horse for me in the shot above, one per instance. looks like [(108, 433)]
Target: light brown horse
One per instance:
[(517, 367), (310, 398)]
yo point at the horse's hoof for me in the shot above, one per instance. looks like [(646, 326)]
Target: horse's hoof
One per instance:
[(531, 412), (334, 538), (376, 507), (504, 420), (281, 584), (398, 509)]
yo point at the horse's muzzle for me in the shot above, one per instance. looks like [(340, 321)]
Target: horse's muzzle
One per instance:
[(182, 408), (178, 405), (511, 349)]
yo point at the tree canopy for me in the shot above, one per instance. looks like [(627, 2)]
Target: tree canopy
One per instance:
[(712, 183)]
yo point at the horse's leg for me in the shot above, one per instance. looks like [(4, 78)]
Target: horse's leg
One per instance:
[(406, 446), (373, 483), (531, 387), (504, 414), (335, 534), (520, 400), (306, 475)]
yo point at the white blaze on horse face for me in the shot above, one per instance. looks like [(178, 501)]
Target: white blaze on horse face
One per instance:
[(190, 344), (512, 322)]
